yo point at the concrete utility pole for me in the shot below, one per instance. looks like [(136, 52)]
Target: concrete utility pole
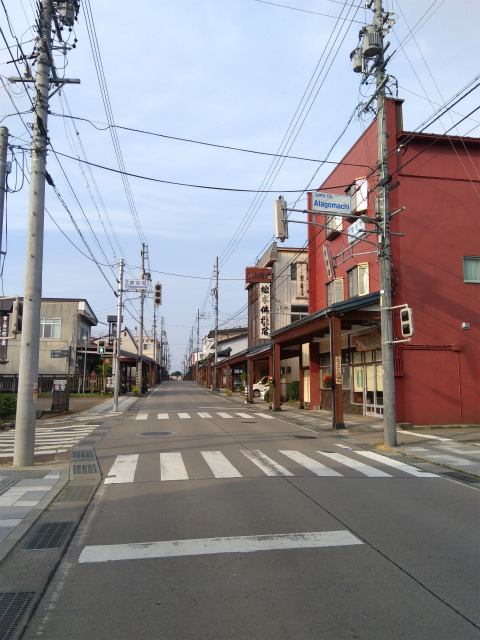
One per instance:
[(116, 368), (30, 345), (216, 325), (383, 235), (140, 330), (198, 343), (3, 175), (154, 343)]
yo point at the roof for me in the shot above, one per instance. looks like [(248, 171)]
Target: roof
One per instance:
[(359, 302)]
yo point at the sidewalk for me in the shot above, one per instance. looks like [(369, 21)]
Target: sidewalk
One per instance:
[(453, 449)]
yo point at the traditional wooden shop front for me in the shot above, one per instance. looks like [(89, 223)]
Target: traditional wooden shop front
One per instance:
[(340, 346)]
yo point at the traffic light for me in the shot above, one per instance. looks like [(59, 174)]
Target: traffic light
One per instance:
[(101, 347), (157, 295), (17, 317), (406, 323)]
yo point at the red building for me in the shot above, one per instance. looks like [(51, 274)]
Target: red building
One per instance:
[(435, 270)]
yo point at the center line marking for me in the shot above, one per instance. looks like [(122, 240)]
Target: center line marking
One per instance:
[(208, 546)]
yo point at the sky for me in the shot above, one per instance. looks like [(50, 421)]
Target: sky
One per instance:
[(226, 72)]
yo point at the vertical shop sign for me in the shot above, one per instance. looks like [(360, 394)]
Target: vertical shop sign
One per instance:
[(302, 283), (264, 311), (338, 369)]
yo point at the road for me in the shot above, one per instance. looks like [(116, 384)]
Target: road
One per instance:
[(231, 526)]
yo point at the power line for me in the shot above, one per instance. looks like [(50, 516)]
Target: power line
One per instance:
[(274, 4)]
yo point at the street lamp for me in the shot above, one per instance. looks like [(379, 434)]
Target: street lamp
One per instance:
[(84, 338)]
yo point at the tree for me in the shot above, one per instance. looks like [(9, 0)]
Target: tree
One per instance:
[(176, 373)]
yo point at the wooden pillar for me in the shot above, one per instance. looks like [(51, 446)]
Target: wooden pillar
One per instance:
[(270, 364), (337, 371), (229, 386), (276, 377), (302, 382), (314, 375), (250, 381)]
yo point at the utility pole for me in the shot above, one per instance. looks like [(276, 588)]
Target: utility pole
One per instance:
[(198, 344), (3, 175), (154, 344), (161, 348), (383, 235), (140, 330), (116, 368), (216, 325), (32, 299)]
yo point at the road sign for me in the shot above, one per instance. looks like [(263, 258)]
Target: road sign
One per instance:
[(330, 202), (136, 285), (107, 361), (356, 230), (60, 353)]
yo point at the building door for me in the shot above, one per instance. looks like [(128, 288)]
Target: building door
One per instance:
[(368, 388)]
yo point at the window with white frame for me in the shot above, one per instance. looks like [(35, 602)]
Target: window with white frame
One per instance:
[(147, 346), (358, 281), (471, 269), (50, 327), (334, 291), (298, 311)]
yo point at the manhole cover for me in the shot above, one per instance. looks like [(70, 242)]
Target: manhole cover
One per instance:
[(306, 437), (156, 433)]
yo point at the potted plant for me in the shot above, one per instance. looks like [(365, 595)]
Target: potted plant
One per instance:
[(327, 382), (135, 391)]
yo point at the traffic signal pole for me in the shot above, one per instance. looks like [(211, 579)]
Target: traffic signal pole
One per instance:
[(140, 331), (3, 175), (116, 368), (30, 345)]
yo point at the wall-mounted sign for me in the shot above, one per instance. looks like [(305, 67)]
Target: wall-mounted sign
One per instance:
[(136, 285), (256, 274), (60, 353), (368, 343), (355, 230), (330, 202), (237, 371), (302, 284), (338, 369), (264, 311)]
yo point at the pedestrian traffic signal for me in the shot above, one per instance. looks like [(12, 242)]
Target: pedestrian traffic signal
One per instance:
[(157, 295), (101, 347), (17, 317), (406, 323)]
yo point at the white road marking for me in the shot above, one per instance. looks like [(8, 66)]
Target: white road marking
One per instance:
[(183, 416), (141, 416), (264, 415), (220, 466), (344, 446), (223, 415), (245, 415), (366, 469), (162, 416), (312, 465), (202, 414), (208, 546), (397, 464), (266, 464), (172, 467), (123, 469), (423, 435), (444, 458)]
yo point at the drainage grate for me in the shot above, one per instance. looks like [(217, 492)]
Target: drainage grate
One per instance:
[(461, 476), (94, 441), (83, 454), (76, 494), (49, 535), (12, 609), (156, 433), (85, 468), (306, 437)]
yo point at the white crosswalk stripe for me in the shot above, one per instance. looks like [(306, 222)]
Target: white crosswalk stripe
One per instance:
[(183, 416), (141, 416), (162, 416), (202, 414), (245, 415), (220, 466), (266, 464), (264, 415), (371, 472), (172, 465), (223, 415), (309, 463), (48, 440)]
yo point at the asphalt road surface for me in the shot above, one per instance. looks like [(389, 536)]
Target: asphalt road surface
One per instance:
[(231, 526)]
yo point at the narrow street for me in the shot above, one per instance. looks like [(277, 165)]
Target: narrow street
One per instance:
[(215, 521)]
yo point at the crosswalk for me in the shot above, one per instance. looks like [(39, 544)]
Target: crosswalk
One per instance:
[(202, 414), (173, 467), (48, 440)]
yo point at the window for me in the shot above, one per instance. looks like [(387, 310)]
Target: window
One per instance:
[(334, 291), (298, 311), (358, 193), (293, 271), (358, 281), (147, 346), (471, 268), (50, 327), (333, 226)]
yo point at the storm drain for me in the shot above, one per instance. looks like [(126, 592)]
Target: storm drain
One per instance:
[(49, 535), (12, 609), (89, 442), (85, 468), (76, 494), (82, 454), (306, 437), (156, 433)]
